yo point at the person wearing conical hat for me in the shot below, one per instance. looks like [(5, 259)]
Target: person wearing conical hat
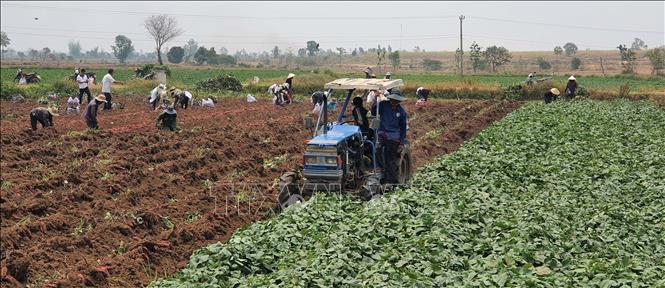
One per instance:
[(42, 116), (571, 86), (392, 133), (388, 75), (167, 120), (551, 95), (90, 113)]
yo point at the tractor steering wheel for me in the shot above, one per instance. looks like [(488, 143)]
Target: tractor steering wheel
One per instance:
[(347, 122)]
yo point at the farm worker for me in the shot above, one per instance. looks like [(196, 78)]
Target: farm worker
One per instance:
[(368, 72), (180, 97), (184, 98), (167, 120), (289, 87), (375, 96), (82, 79), (21, 76), (317, 97), (42, 115), (422, 93), (90, 113), (275, 91), (529, 79), (155, 95), (208, 102), (571, 87), (392, 133), (387, 75), (73, 104), (551, 95), (360, 115), (107, 81)]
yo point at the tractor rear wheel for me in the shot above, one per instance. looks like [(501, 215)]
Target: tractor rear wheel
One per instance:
[(405, 165)]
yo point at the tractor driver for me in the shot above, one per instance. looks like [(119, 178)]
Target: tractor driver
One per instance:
[(360, 116), (392, 133)]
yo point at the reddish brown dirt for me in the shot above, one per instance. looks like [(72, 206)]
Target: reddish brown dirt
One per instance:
[(90, 208)]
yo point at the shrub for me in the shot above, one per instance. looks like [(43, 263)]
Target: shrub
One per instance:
[(576, 63), (219, 83), (65, 87), (9, 89)]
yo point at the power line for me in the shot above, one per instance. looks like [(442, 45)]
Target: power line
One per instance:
[(566, 26), (209, 36), (226, 43), (233, 17)]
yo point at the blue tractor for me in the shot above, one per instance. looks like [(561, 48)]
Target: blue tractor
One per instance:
[(339, 157)]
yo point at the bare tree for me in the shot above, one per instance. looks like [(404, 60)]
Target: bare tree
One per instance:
[(162, 28)]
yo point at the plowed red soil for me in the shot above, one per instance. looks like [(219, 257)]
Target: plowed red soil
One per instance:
[(128, 204)]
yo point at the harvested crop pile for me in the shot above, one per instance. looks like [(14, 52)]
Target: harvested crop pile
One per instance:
[(219, 83), (563, 195)]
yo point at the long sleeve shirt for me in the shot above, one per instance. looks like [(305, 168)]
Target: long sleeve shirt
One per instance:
[(393, 121), (90, 113), (42, 114)]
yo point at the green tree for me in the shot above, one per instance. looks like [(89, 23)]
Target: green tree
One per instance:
[(543, 65), (431, 65), (74, 49), (312, 48), (123, 47), (576, 63), (302, 52), (394, 59), (190, 49), (657, 59), (341, 52), (225, 59), (175, 54), (497, 56), (45, 52), (475, 55), (570, 48), (628, 59), (211, 57), (275, 52), (558, 50), (201, 55)]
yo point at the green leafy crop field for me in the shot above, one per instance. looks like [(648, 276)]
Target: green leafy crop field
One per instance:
[(570, 194)]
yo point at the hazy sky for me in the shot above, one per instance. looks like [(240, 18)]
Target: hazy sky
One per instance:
[(259, 26)]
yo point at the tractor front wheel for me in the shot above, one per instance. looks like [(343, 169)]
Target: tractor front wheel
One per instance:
[(289, 192)]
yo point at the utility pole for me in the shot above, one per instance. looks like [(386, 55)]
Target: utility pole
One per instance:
[(461, 52)]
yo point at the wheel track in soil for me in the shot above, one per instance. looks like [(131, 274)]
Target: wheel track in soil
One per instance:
[(149, 252)]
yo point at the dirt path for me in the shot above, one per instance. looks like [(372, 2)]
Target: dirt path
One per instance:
[(128, 204)]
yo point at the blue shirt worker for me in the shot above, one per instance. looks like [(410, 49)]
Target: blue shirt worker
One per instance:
[(392, 133)]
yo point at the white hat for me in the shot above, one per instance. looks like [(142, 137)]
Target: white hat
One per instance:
[(291, 75), (388, 73), (572, 78), (161, 86)]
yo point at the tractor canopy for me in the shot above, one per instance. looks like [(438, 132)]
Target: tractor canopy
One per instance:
[(363, 84)]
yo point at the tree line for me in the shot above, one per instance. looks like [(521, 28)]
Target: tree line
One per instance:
[(164, 29)]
